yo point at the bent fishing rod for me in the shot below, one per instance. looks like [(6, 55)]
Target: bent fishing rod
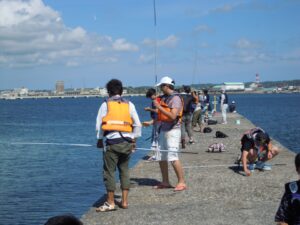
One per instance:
[(89, 145)]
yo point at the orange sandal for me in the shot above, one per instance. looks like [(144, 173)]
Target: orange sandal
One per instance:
[(180, 187)]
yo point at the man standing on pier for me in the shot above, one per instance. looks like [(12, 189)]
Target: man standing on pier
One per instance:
[(117, 126), (170, 110), (224, 105)]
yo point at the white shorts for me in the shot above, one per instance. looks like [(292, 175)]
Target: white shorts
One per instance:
[(169, 140)]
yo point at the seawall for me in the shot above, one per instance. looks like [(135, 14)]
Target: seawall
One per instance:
[(218, 192)]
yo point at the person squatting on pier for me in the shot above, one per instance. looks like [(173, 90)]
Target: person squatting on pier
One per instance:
[(117, 125), (288, 212), (256, 149), (170, 110)]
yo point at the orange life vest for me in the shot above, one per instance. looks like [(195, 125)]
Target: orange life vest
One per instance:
[(164, 103), (118, 116)]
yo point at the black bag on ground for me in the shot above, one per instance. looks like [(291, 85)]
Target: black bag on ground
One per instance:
[(207, 130), (212, 122), (220, 134)]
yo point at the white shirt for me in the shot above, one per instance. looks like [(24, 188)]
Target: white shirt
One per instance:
[(137, 126)]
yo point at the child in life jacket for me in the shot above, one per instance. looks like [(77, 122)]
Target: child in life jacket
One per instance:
[(256, 149)]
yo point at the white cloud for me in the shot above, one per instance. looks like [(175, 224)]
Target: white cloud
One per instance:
[(146, 58), (169, 42), (122, 45), (203, 28), (244, 43), (32, 34)]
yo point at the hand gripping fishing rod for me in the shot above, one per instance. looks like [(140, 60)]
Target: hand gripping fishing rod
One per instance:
[(89, 145)]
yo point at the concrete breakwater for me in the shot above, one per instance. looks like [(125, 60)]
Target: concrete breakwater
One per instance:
[(218, 192)]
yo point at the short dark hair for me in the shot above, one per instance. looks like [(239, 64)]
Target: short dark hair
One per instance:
[(67, 219), (114, 87), (263, 138), (297, 162), (205, 91), (150, 92), (186, 89)]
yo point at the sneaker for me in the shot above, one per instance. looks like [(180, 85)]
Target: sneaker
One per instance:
[(191, 141), (251, 167), (263, 166)]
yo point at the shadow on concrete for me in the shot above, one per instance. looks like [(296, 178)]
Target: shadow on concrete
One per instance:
[(144, 181), (238, 169)]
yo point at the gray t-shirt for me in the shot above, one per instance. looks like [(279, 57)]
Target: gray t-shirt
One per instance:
[(173, 101)]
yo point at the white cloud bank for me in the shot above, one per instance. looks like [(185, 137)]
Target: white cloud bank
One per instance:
[(169, 42), (32, 34)]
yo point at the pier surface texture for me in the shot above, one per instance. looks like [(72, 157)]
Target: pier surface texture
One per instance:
[(218, 191)]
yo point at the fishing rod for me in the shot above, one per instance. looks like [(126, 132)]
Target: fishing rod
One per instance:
[(89, 145)]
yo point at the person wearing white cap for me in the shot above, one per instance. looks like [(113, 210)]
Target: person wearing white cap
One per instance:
[(170, 110), (224, 106)]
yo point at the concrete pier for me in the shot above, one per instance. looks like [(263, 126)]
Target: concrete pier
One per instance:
[(218, 191)]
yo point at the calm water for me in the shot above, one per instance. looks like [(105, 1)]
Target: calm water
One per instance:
[(37, 182)]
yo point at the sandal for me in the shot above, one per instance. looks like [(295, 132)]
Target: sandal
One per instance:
[(180, 187), (162, 186), (106, 207)]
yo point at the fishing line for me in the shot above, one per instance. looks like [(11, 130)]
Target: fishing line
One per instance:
[(88, 145), (226, 165)]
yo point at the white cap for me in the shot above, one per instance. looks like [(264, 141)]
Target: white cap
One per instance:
[(233, 102), (166, 80)]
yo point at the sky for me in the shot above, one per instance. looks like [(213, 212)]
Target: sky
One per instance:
[(85, 43)]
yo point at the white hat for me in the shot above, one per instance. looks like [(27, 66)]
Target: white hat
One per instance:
[(166, 80)]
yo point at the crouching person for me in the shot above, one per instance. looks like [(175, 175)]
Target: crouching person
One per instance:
[(288, 212), (117, 126), (256, 150)]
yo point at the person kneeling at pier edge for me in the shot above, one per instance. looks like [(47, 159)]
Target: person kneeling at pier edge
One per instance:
[(117, 126), (169, 112), (288, 212), (256, 149)]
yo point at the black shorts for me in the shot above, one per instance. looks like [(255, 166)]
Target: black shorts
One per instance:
[(247, 144)]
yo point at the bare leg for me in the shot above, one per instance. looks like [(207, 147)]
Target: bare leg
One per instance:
[(164, 171), (111, 197), (179, 171), (125, 198)]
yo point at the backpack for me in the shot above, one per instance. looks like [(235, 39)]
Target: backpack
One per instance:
[(216, 147), (207, 130), (212, 122), (187, 103), (220, 134)]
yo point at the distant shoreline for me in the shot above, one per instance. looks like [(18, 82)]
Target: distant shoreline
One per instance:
[(131, 95)]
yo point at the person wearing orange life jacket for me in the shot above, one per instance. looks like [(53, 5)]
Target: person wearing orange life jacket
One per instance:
[(117, 127), (256, 146), (169, 111)]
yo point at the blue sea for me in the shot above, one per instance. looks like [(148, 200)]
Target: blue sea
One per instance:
[(41, 181)]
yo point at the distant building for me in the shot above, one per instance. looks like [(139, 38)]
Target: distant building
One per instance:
[(234, 86), (59, 87), (21, 91)]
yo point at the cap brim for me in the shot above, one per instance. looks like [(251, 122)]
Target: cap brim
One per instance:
[(157, 85)]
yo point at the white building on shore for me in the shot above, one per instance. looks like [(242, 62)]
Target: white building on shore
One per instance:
[(234, 86)]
